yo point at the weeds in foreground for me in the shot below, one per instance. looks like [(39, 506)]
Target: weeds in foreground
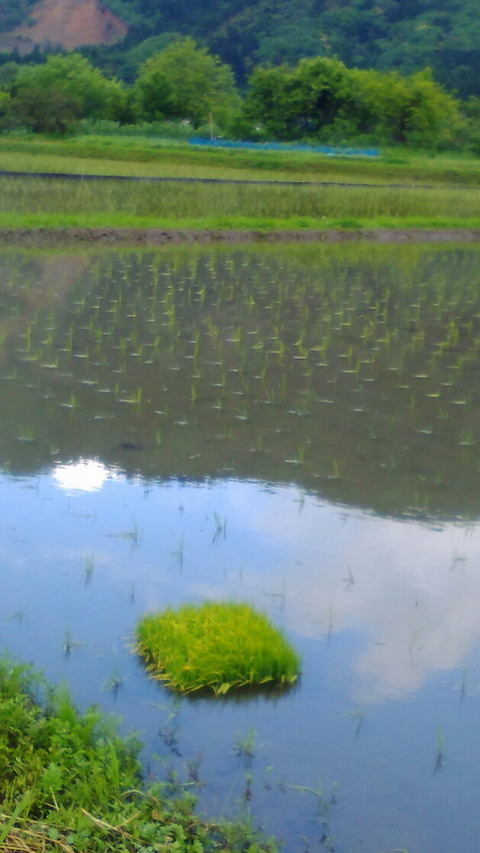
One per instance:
[(69, 783), (216, 646)]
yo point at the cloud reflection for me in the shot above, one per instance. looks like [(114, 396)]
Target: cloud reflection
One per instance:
[(407, 594), (411, 592), (84, 475)]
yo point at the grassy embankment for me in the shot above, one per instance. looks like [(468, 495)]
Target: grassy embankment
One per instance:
[(399, 189), (70, 784)]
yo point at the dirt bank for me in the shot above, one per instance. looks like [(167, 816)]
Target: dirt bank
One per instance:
[(65, 23), (160, 236)]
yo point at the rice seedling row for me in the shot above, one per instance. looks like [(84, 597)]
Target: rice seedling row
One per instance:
[(61, 203), (167, 347)]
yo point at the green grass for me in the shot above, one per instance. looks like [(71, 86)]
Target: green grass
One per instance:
[(69, 783), (216, 646), (452, 201), (143, 156), (60, 203)]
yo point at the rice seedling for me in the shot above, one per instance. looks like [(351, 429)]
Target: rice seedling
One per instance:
[(63, 203), (179, 551), (69, 644), (358, 714), (72, 403), (26, 434), (89, 565), (440, 755), (245, 746), (114, 682), (220, 527), (216, 646)]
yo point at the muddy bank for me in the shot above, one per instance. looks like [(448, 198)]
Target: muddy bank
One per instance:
[(45, 237)]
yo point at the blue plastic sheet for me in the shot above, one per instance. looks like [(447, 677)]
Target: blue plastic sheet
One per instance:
[(278, 146)]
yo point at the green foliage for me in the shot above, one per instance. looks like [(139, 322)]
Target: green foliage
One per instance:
[(216, 645), (293, 103), (266, 203), (14, 12), (388, 35), (68, 782), (320, 99), (184, 81), (53, 96), (54, 753), (323, 99)]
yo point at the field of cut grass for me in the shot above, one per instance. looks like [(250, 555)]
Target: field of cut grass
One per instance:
[(398, 189)]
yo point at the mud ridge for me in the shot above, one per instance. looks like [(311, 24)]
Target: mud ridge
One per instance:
[(50, 237)]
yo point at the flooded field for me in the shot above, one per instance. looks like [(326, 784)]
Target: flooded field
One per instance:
[(295, 427)]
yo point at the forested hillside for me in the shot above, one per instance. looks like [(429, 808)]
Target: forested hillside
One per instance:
[(404, 35), (14, 12)]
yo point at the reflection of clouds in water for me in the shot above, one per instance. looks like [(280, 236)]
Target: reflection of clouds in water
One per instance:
[(84, 475), (410, 593), (412, 589)]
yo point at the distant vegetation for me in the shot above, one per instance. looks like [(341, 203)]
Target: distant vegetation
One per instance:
[(318, 99), (401, 35), (13, 13)]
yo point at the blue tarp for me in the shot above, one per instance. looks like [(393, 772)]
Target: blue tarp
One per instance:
[(278, 146)]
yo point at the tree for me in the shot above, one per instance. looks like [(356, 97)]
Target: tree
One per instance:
[(185, 81), (291, 103), (429, 115), (53, 96), (323, 99)]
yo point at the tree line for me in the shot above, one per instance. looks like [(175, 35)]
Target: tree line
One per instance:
[(318, 100), (387, 35)]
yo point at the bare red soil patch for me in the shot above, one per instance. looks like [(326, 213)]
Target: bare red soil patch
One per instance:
[(65, 23)]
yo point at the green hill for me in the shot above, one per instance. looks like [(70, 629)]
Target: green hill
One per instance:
[(404, 35)]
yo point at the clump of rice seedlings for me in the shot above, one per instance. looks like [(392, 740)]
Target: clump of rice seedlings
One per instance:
[(217, 646)]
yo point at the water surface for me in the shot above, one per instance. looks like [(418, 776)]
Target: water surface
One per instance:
[(296, 427)]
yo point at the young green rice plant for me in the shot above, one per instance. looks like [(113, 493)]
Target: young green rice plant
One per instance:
[(89, 565), (217, 646), (220, 527), (245, 746), (26, 434), (114, 682), (440, 754)]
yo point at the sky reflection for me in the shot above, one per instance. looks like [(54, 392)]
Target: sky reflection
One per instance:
[(409, 592), (85, 475)]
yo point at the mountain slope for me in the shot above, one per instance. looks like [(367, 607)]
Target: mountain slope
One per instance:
[(405, 35), (63, 23)]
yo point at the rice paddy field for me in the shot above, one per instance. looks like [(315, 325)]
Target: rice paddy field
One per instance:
[(292, 427), (225, 189), (62, 203)]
